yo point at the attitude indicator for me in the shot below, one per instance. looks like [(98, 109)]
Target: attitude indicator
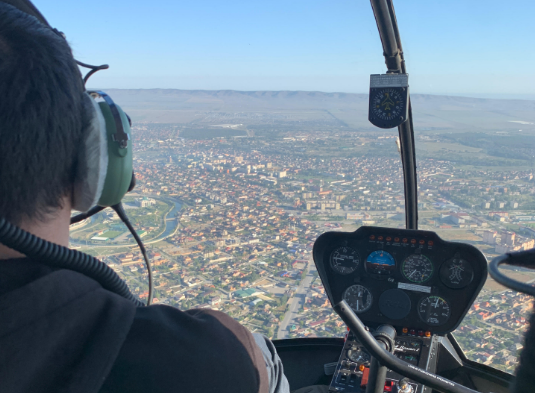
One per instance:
[(380, 264)]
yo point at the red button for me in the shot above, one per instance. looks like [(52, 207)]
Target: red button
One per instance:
[(396, 239), (405, 240), (420, 332), (372, 237), (388, 386), (365, 376), (380, 238), (412, 332), (422, 241), (430, 242), (388, 238), (413, 241)]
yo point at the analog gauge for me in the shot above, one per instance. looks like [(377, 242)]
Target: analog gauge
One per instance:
[(434, 310), (417, 268), (358, 355), (345, 260), (359, 298), (457, 272), (380, 264), (387, 104)]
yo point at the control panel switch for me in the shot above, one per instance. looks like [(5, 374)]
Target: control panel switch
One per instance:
[(404, 386)]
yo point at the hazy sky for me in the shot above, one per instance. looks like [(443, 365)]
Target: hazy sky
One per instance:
[(468, 47)]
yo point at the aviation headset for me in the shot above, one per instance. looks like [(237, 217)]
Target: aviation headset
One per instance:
[(107, 173)]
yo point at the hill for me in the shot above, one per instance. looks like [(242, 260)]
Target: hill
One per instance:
[(305, 110)]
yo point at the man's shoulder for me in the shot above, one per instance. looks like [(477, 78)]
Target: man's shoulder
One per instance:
[(173, 320), (197, 349)]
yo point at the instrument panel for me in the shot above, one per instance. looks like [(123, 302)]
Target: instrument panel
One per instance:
[(406, 278)]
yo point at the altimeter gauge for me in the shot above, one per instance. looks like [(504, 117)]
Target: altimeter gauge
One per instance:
[(359, 298), (417, 268), (345, 260)]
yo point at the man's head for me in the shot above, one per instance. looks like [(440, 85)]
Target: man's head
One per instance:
[(44, 115)]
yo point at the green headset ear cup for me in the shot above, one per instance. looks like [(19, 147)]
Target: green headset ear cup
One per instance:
[(120, 166)]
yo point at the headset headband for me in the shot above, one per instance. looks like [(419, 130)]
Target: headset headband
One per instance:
[(120, 136)]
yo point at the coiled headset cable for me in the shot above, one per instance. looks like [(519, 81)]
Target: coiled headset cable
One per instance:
[(57, 256)]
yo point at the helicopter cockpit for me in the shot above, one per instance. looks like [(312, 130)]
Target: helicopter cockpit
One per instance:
[(425, 294), (400, 292)]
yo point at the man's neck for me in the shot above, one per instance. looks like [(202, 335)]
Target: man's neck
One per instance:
[(55, 230)]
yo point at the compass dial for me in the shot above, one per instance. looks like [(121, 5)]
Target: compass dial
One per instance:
[(359, 298), (387, 104), (345, 260)]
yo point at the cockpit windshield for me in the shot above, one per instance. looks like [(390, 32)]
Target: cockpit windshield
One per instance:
[(251, 138)]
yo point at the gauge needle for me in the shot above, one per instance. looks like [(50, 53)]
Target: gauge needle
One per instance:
[(410, 275), (357, 304), (436, 304)]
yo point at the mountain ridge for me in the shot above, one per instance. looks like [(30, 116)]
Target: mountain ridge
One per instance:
[(280, 107)]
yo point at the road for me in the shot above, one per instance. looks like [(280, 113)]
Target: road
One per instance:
[(296, 301)]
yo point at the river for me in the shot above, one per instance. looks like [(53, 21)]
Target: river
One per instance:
[(170, 222)]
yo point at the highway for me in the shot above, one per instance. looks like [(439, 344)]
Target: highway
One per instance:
[(296, 301)]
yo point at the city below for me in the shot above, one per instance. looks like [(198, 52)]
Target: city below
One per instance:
[(229, 224)]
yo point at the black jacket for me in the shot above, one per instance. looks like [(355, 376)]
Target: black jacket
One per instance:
[(62, 332)]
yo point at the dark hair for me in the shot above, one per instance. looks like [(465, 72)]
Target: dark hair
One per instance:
[(43, 115)]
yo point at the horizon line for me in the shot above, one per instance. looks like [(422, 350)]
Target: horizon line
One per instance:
[(487, 96)]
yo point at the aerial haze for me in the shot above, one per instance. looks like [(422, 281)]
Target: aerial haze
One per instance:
[(305, 110)]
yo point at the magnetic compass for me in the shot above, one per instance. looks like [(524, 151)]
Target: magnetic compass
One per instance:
[(389, 96), (387, 104)]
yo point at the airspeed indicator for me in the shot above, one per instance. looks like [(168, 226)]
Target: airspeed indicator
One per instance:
[(345, 260)]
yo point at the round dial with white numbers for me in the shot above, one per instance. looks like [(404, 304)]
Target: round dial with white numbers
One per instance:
[(417, 268), (387, 104), (434, 310), (345, 260), (359, 298)]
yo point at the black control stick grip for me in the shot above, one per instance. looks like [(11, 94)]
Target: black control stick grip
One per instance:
[(387, 359), (387, 335), (526, 369), (523, 259)]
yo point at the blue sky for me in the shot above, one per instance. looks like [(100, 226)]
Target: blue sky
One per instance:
[(458, 47)]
